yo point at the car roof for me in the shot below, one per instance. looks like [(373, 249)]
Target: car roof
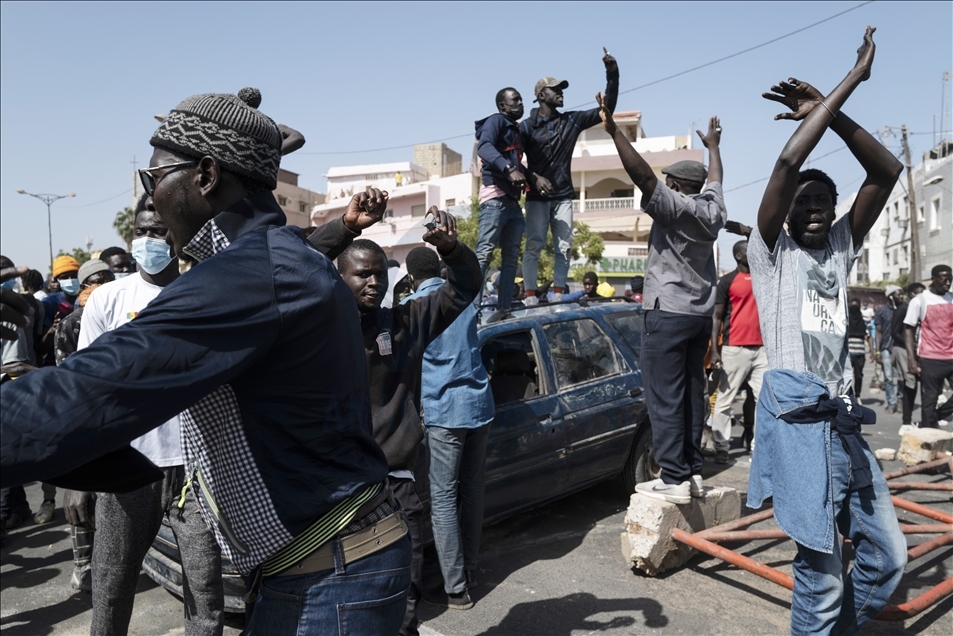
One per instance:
[(558, 312)]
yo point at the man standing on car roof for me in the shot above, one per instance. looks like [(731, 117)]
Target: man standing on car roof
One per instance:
[(678, 299), (549, 137), (395, 339)]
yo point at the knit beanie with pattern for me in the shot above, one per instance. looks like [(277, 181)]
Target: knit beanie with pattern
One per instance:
[(229, 128)]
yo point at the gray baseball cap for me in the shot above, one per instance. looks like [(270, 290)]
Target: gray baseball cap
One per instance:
[(91, 267)]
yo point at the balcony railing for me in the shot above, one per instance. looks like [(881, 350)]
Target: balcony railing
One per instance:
[(600, 205)]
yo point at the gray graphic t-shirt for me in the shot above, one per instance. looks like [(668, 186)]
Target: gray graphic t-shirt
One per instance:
[(802, 303)]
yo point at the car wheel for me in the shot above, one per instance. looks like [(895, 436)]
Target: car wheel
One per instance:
[(640, 465)]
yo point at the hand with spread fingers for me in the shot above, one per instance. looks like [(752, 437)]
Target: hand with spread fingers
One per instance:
[(444, 234), (605, 114), (13, 308), (799, 96), (713, 138), (365, 209)]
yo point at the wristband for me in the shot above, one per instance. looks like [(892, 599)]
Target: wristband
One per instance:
[(833, 114)]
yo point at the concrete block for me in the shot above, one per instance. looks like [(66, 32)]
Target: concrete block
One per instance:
[(647, 541), (922, 444), (885, 454)]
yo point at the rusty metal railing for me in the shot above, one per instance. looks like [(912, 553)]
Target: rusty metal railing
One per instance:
[(707, 540)]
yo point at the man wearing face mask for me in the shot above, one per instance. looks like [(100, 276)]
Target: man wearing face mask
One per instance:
[(127, 523), (58, 305), (119, 260)]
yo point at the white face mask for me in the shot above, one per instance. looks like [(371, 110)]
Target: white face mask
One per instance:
[(70, 286), (152, 254)]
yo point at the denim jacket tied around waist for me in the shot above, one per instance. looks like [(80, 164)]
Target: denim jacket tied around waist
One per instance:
[(792, 461)]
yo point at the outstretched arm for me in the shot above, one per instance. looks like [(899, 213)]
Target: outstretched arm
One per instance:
[(802, 99), (883, 170), (712, 141), (635, 166)]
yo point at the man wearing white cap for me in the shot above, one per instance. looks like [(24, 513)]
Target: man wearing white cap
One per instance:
[(883, 319)]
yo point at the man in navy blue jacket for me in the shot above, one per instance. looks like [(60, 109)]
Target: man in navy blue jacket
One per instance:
[(549, 138), (503, 183), (259, 346)]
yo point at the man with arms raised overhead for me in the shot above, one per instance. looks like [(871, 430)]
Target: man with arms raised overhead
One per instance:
[(679, 297), (811, 457)]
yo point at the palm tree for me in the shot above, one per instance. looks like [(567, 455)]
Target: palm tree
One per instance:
[(124, 223)]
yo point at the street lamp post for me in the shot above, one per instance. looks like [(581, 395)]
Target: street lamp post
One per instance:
[(49, 200)]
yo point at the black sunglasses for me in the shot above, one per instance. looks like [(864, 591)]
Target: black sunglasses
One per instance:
[(150, 181)]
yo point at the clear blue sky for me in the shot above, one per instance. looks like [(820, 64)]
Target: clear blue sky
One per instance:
[(79, 83)]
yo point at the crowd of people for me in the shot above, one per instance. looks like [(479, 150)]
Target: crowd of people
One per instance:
[(271, 401)]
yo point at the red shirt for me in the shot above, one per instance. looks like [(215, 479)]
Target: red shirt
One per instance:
[(741, 326)]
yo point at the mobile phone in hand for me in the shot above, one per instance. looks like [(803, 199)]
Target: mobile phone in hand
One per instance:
[(430, 226)]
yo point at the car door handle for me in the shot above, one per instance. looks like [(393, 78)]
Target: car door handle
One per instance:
[(546, 417), (636, 392)]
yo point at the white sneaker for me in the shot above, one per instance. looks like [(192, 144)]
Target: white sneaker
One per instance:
[(943, 423), (530, 301), (696, 487), (658, 489), (556, 298)]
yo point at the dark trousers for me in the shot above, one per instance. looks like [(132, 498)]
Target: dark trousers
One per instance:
[(857, 363), (126, 525), (673, 370), (409, 502), (932, 375)]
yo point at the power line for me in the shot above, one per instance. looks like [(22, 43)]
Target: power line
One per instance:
[(88, 205), (751, 183), (630, 90)]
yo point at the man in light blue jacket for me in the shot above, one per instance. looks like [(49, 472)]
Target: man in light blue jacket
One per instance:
[(457, 409)]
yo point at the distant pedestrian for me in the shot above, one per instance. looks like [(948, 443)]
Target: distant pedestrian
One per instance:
[(932, 356), (908, 382), (119, 260), (883, 350), (398, 179), (857, 339), (741, 355)]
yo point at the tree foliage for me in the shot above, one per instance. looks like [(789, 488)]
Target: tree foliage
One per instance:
[(78, 253), (585, 244), (124, 223)]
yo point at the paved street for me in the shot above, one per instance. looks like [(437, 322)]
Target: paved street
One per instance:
[(553, 571)]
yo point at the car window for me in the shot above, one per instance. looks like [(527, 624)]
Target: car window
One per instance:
[(581, 351), (511, 362), (629, 324)]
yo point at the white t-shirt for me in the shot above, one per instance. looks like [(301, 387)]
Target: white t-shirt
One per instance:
[(108, 308), (934, 315)]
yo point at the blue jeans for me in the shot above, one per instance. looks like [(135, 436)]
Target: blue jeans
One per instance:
[(890, 381), (540, 217), (673, 370), (457, 467), (368, 596), (825, 603), (501, 224)]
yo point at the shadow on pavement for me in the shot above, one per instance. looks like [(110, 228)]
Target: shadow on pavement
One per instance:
[(574, 612), (41, 621)]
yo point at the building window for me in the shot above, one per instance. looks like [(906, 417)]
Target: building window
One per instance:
[(638, 251), (895, 256), (418, 210), (282, 201), (302, 207), (934, 214), (388, 215)]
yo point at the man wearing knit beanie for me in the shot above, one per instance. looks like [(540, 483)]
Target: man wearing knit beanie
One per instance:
[(59, 305), (260, 349)]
